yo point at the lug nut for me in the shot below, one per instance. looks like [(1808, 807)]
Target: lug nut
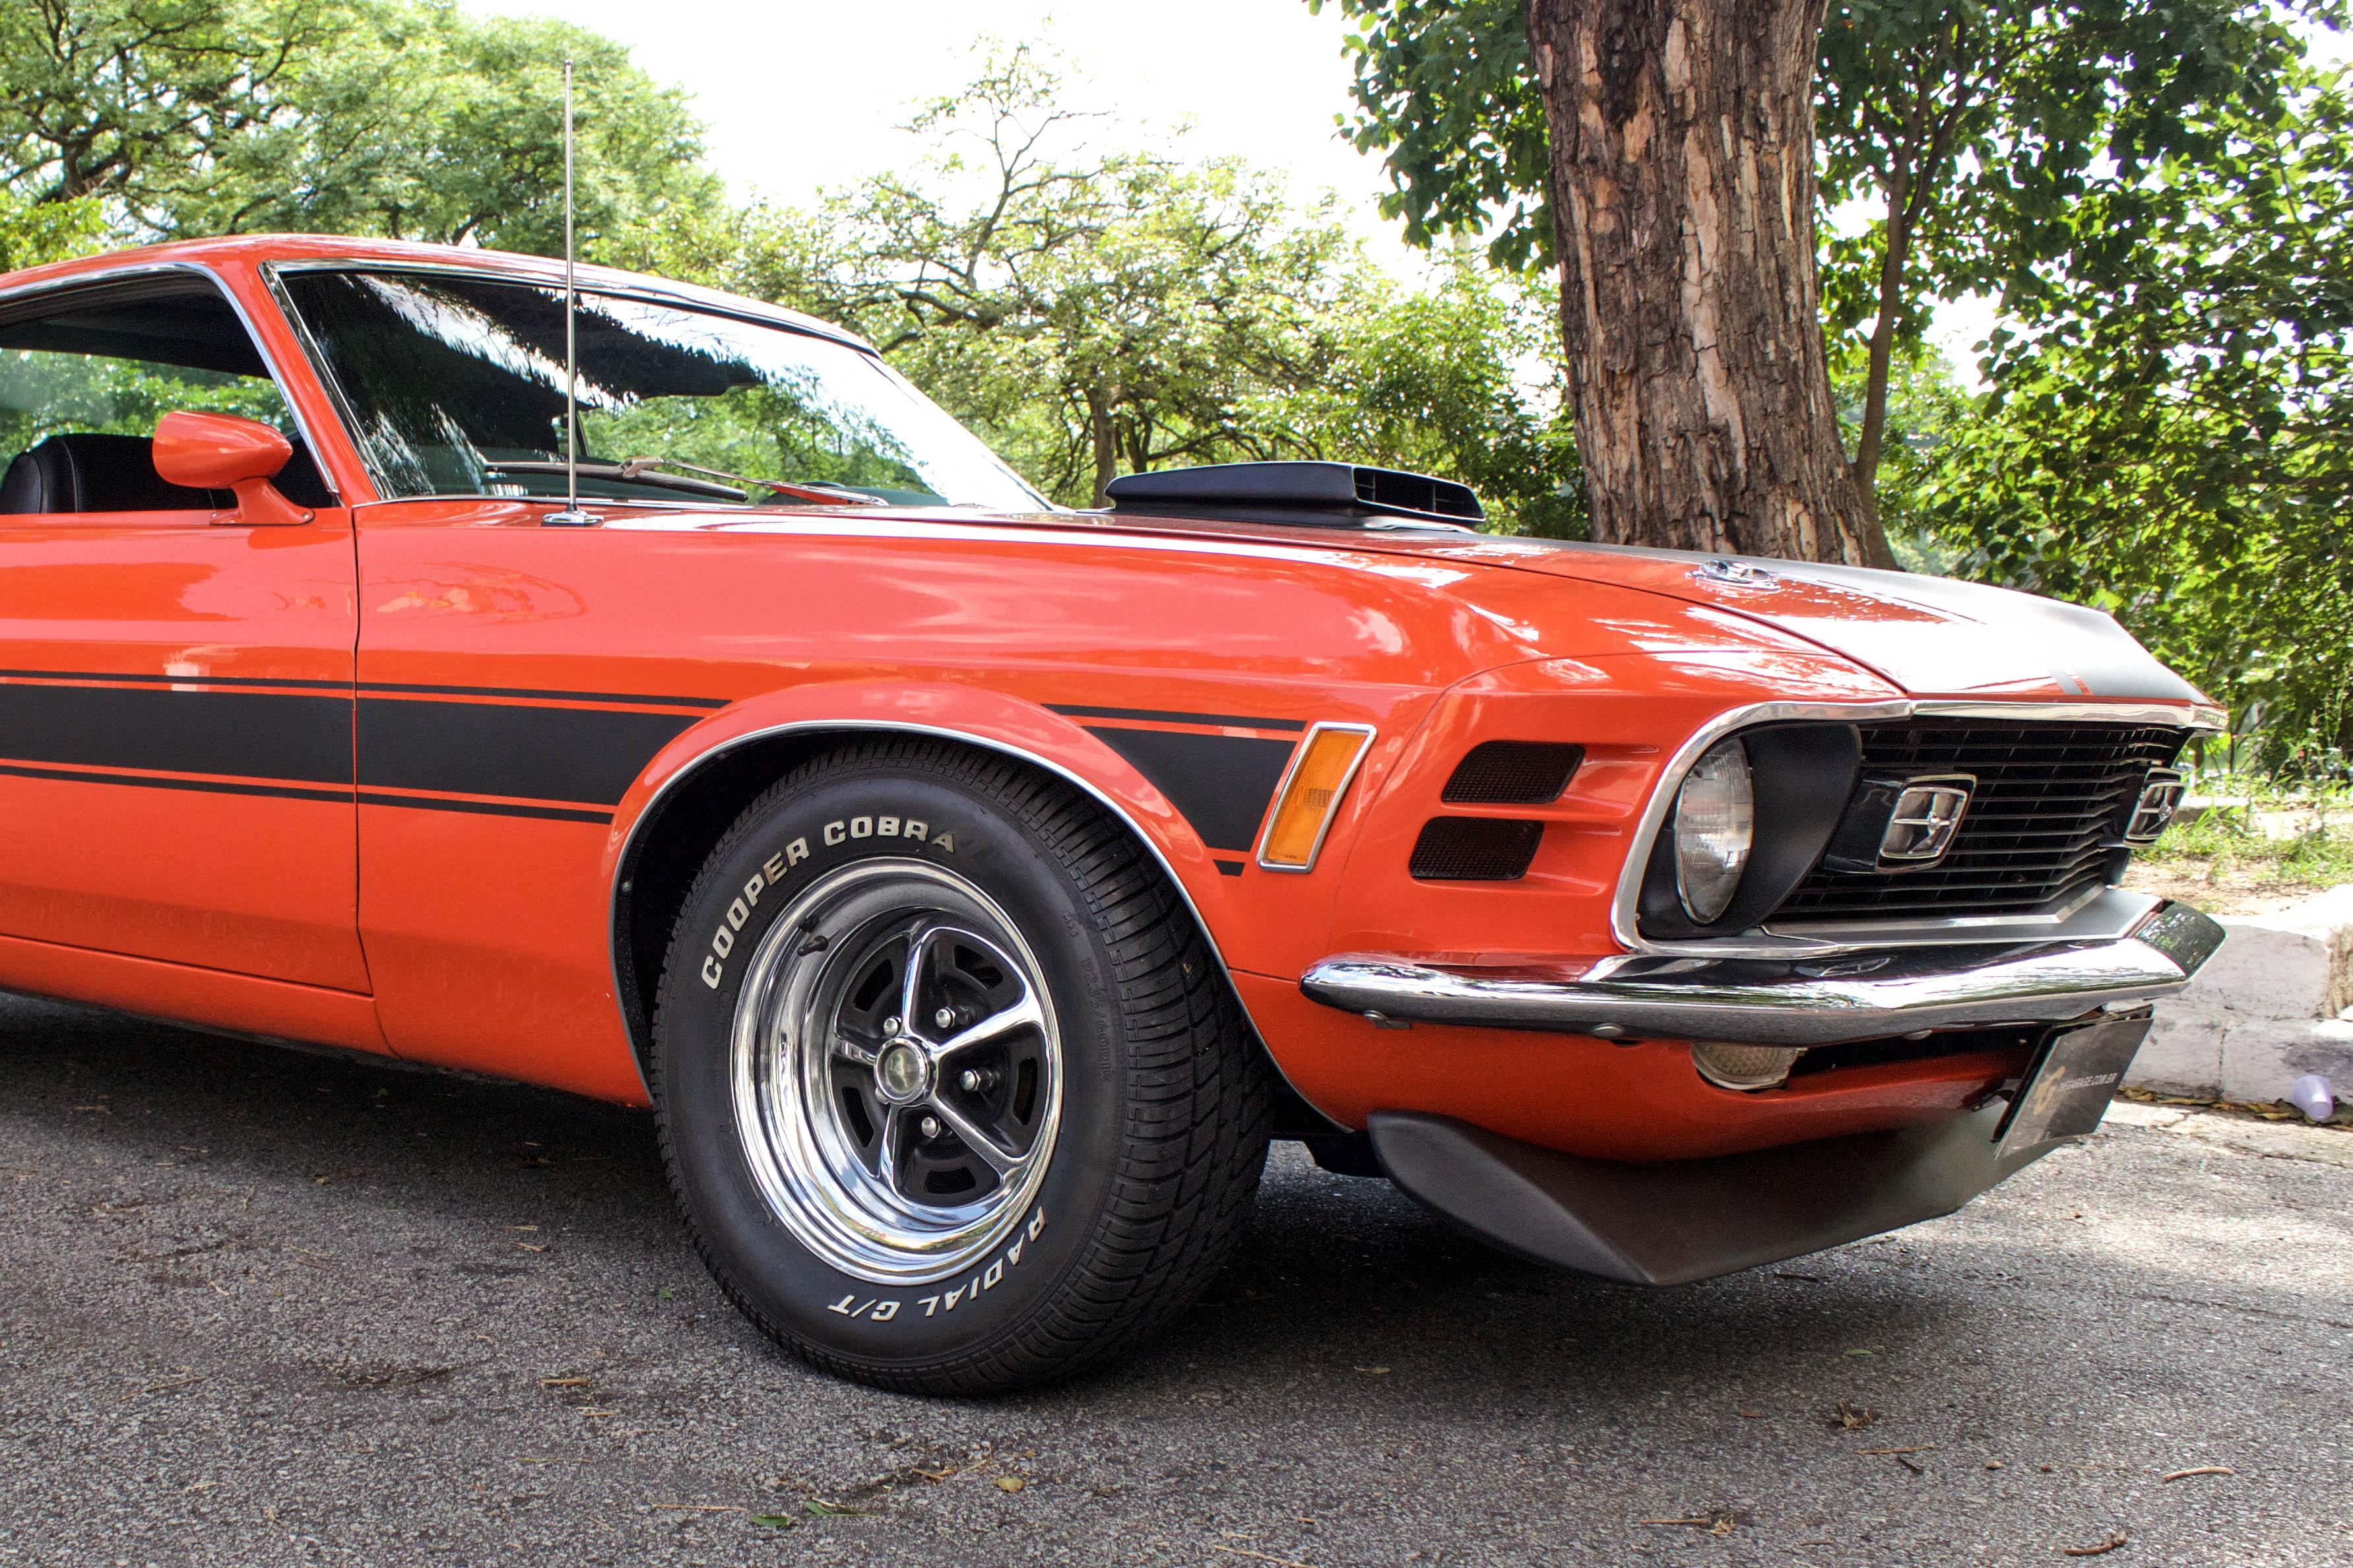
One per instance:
[(972, 1080), (944, 1017), (890, 1025), (931, 1127)]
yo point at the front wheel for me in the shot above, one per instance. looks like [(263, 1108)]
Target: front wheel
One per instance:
[(950, 1093)]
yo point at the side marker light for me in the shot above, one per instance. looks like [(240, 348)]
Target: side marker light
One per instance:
[(1310, 795)]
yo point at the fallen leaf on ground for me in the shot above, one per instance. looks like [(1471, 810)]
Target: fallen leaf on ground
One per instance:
[(773, 1520), (2202, 1470), (824, 1510), (2110, 1544), (1239, 1552), (1751, 1414), (1011, 1483), (1853, 1417), (1375, 1370)]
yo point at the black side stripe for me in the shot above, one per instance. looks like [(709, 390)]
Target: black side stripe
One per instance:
[(1159, 716), (487, 807), (1222, 783), (207, 786), (240, 734), (584, 754)]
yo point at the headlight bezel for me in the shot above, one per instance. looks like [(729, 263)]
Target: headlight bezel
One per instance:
[(1801, 772)]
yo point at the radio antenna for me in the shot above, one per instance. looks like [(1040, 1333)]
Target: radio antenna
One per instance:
[(571, 515), (571, 310)]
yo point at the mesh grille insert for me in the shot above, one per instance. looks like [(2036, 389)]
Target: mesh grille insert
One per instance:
[(1474, 849), (2049, 802), (1512, 773)]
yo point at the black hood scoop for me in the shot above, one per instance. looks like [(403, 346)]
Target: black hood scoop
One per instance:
[(1328, 495)]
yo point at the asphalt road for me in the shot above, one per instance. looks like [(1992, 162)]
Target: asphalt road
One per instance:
[(261, 1308)]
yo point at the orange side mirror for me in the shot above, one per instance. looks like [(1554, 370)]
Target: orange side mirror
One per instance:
[(223, 452)]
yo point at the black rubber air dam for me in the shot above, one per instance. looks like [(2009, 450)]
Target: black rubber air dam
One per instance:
[(1672, 1222)]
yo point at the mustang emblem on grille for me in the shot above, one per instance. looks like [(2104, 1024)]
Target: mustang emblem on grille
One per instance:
[(1926, 816)]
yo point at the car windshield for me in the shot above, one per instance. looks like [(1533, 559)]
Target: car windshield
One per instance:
[(455, 386)]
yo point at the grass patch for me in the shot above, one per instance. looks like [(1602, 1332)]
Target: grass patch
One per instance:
[(2256, 836)]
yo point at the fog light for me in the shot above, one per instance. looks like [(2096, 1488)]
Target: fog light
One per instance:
[(1745, 1068), (1716, 819)]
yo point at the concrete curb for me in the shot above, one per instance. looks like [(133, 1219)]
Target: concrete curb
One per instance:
[(2274, 1003)]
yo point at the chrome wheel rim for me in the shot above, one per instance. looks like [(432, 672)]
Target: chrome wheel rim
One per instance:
[(897, 1071)]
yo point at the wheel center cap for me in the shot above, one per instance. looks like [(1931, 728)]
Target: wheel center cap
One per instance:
[(904, 1073)]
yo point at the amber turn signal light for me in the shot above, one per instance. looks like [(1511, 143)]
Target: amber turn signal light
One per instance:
[(1310, 795)]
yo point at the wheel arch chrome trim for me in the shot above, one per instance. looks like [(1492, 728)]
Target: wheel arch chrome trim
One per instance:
[(1624, 913)]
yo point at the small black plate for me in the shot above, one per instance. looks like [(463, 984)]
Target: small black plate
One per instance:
[(2066, 1089)]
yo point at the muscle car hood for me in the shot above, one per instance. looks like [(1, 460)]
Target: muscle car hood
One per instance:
[(1931, 636)]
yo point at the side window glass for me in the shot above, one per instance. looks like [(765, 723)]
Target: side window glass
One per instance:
[(84, 380)]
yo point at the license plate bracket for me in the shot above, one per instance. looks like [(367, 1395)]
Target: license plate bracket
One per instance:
[(2075, 1073)]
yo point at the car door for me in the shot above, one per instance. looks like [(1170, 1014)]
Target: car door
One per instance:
[(176, 684)]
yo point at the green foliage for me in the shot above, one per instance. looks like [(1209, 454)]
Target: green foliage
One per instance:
[(1925, 403), (33, 233), (404, 118), (1091, 314), (42, 393), (2170, 438), (2307, 844), (1978, 127), (1444, 88), (1438, 380)]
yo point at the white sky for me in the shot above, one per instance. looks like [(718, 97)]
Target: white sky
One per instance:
[(797, 95)]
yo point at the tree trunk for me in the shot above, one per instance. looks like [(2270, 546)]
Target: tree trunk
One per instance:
[(1683, 200), (1874, 434), (1104, 439)]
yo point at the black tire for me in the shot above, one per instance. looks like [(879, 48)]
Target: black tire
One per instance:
[(1144, 1136)]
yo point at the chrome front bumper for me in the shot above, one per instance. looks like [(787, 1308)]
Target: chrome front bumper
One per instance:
[(1751, 1002)]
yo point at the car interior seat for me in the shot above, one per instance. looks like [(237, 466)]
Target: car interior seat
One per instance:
[(78, 471)]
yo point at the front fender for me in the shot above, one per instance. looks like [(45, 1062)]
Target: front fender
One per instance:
[(975, 716)]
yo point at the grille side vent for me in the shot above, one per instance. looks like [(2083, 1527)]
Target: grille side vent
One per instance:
[(1512, 773), (1474, 849)]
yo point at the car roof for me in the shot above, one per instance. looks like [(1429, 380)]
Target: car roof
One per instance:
[(309, 249)]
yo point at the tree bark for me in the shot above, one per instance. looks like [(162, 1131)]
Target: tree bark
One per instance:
[(1103, 438), (1682, 201)]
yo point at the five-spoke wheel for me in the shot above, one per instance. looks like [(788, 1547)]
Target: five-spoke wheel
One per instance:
[(898, 1071)]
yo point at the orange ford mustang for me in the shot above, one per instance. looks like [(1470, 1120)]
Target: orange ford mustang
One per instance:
[(972, 888)]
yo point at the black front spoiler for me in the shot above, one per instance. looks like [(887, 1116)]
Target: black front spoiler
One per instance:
[(1672, 1222)]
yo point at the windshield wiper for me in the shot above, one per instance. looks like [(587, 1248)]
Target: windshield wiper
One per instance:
[(641, 471), (617, 471)]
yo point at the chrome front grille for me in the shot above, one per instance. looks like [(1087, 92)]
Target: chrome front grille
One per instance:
[(2042, 826)]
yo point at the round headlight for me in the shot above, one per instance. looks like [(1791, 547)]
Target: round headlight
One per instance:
[(1715, 820)]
